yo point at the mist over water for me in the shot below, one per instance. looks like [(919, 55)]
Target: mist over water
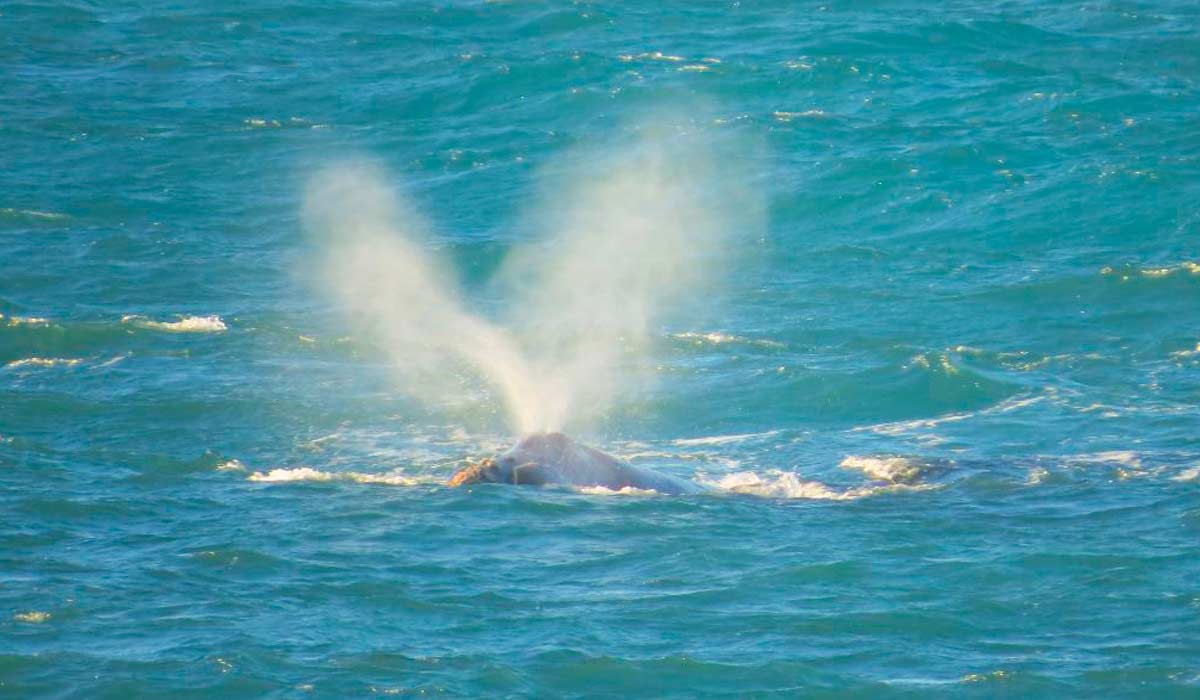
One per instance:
[(644, 228)]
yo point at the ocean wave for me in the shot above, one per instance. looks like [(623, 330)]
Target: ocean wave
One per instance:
[(1115, 465), (1127, 272), (185, 324), (1125, 464), (1127, 458), (930, 360), (1037, 476), (33, 617), (724, 338), (286, 474), (292, 474), (264, 123), (806, 114), (1105, 410), (1192, 474), (259, 123), (781, 484), (44, 362), (1180, 355), (898, 428), (25, 320), (113, 360), (722, 439), (650, 56), (771, 484), (895, 470), (997, 675), (32, 214), (1022, 360), (775, 484), (1018, 360)]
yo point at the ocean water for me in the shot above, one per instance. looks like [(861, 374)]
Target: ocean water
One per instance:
[(946, 393)]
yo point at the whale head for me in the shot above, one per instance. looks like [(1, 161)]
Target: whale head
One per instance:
[(542, 459), (527, 462)]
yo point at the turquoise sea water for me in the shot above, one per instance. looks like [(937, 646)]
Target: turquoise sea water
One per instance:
[(947, 397)]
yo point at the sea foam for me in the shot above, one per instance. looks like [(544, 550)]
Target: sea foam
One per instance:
[(788, 485), (185, 324), (283, 475), (1192, 474), (44, 362), (26, 320), (895, 470)]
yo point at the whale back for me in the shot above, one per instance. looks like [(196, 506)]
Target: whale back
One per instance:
[(541, 459)]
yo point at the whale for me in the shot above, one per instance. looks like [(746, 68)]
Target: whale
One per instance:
[(553, 459)]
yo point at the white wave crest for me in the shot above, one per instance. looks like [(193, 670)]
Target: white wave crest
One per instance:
[(789, 116), (293, 474), (901, 427), (26, 320), (1037, 476), (649, 56), (1126, 458), (724, 338), (186, 324), (1192, 474), (721, 439), (44, 362), (1185, 267), (32, 214), (1185, 354), (283, 475), (776, 484), (780, 484), (113, 360), (894, 470), (1125, 464), (625, 491), (915, 428)]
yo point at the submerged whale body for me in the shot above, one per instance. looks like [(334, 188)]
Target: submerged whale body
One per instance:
[(543, 459)]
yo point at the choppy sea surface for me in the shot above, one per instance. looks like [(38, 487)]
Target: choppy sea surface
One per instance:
[(947, 401)]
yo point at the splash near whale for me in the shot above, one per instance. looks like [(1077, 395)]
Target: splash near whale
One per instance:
[(553, 459)]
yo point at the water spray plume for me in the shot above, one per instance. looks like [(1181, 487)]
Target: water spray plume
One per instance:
[(625, 239), (402, 296)]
